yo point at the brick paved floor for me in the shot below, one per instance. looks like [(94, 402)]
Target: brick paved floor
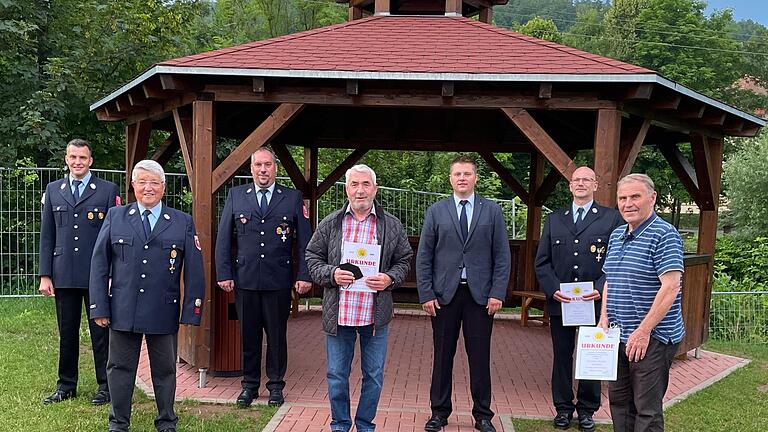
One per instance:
[(521, 364)]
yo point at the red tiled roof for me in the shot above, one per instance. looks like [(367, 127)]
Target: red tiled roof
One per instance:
[(410, 44)]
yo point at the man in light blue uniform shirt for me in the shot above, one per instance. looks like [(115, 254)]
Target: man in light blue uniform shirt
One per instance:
[(644, 271)]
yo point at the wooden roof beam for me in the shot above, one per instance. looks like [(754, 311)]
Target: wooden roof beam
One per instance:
[(545, 91), (184, 135), (733, 125), (262, 135), (713, 117), (153, 90), (292, 168), (541, 140), (165, 151), (702, 161), (176, 83), (104, 114), (353, 87), (639, 92), (448, 89), (137, 99), (259, 85), (692, 111), (631, 142), (667, 102), (505, 175), (550, 182), (336, 174), (682, 168)]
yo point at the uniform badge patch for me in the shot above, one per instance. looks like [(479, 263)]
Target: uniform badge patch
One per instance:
[(197, 243), (306, 212), (198, 302), (101, 216), (117, 200), (283, 230), (93, 186), (90, 215)]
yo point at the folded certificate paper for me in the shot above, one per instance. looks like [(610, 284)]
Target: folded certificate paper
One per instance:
[(578, 312), (597, 354)]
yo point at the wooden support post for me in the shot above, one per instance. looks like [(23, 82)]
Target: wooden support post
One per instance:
[(533, 223), (708, 221), (311, 174), (136, 146), (453, 7), (196, 344), (184, 134), (704, 172), (355, 12), (381, 7), (486, 14), (607, 141)]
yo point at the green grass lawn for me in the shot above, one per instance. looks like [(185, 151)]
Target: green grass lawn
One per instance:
[(738, 402), (28, 364)]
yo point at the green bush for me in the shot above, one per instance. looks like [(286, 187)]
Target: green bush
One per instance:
[(743, 260)]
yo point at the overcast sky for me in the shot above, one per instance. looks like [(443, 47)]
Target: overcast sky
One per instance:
[(756, 10)]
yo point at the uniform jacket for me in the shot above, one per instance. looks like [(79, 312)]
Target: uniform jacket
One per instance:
[(567, 255), (145, 296), (262, 257), (486, 253), (68, 230), (324, 255)]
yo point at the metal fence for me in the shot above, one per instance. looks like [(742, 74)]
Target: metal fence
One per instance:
[(739, 316), (21, 191)]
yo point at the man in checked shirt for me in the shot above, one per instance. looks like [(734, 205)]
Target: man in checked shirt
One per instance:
[(348, 312)]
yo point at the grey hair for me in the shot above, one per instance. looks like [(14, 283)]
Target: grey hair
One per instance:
[(266, 149), (640, 178), (360, 168), (150, 166)]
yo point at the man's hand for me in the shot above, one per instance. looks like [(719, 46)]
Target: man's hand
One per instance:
[(493, 305), (378, 282), (343, 277), (101, 322), (594, 295), (637, 344), (46, 286), (603, 323), (431, 307), (302, 287), (560, 297), (227, 285)]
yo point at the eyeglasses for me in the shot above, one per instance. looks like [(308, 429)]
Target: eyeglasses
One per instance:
[(582, 180), (151, 183)]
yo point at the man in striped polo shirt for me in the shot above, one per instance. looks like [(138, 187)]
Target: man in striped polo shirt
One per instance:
[(644, 271), (349, 312)]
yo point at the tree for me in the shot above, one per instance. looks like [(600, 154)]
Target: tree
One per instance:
[(746, 178), (542, 29)]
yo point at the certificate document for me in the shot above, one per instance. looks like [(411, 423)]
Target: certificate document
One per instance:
[(597, 354), (365, 256), (578, 312)]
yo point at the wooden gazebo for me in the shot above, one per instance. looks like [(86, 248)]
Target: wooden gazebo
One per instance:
[(422, 75)]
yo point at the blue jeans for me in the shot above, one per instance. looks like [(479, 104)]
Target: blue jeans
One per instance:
[(340, 349)]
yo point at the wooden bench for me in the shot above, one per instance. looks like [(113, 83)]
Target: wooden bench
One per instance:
[(528, 297)]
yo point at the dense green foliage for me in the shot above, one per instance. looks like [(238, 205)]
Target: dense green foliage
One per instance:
[(745, 174)]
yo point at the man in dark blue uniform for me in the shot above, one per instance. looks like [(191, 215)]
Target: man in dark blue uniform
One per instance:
[(266, 221), (73, 210), (572, 249), (140, 254)]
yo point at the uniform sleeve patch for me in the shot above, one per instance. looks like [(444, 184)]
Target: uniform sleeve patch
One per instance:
[(306, 212), (117, 200), (197, 243), (93, 306)]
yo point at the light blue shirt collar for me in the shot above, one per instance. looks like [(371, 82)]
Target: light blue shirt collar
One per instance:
[(470, 203), (154, 215), (575, 209), (85, 180), (270, 192)]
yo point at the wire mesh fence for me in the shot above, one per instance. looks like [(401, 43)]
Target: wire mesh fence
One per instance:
[(21, 191), (739, 316)]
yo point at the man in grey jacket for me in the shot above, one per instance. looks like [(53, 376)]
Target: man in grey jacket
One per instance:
[(364, 307)]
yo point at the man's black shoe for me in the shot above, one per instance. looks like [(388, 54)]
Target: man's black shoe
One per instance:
[(100, 398), (276, 397), (484, 425), (586, 423), (435, 423), (562, 421), (169, 430), (246, 397), (59, 395)]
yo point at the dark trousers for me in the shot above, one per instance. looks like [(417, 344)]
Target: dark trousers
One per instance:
[(124, 349), (588, 392), (69, 309), (477, 325), (264, 312), (636, 395)]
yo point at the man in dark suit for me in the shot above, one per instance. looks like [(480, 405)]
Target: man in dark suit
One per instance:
[(266, 221), (462, 272), (140, 254), (572, 249), (73, 210)]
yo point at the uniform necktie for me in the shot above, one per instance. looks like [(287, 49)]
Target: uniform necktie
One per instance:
[(579, 217), (76, 189), (263, 201), (147, 226), (463, 224)]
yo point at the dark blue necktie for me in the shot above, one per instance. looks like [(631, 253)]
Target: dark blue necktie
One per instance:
[(76, 189), (263, 202), (464, 225), (147, 226), (579, 219)]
